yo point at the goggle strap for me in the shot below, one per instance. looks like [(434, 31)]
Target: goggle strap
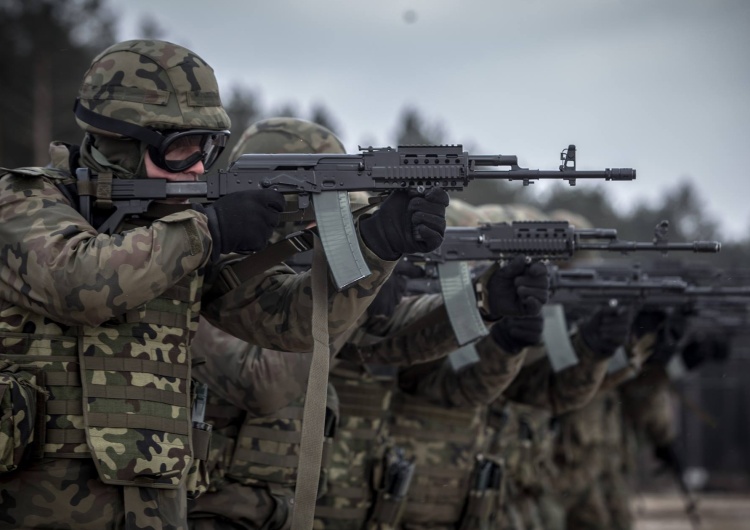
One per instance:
[(124, 128)]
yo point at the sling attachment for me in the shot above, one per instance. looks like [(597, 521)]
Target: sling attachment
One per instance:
[(234, 274)]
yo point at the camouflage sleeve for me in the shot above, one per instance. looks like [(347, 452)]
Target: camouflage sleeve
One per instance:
[(274, 310), (638, 352), (57, 265), (418, 331), (476, 384), (539, 385), (647, 403), (256, 380)]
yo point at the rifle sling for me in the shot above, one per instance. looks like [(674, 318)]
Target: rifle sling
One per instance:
[(238, 272), (313, 421)]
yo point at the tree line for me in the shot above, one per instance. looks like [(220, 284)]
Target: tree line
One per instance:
[(48, 45)]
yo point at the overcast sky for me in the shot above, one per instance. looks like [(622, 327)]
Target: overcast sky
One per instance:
[(659, 85)]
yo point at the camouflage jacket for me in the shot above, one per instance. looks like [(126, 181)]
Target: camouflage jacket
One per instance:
[(537, 384), (474, 384)]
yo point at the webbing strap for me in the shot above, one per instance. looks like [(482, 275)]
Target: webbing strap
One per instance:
[(311, 445), (157, 318), (64, 407), (273, 435), (121, 364), (62, 379), (168, 397), (425, 434), (267, 459), (65, 436), (288, 413), (436, 512), (137, 421), (234, 274), (331, 512), (201, 444), (348, 492)]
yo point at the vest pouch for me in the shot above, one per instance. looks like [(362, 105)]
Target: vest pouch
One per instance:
[(136, 411), (198, 478), (390, 499), (21, 414), (485, 497)]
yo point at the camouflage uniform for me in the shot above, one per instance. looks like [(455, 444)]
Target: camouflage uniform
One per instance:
[(590, 455), (360, 450), (110, 318), (520, 424)]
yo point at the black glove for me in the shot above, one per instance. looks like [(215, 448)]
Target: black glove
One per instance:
[(518, 289), (242, 221), (394, 289), (695, 353), (513, 334), (606, 330), (406, 222), (648, 321)]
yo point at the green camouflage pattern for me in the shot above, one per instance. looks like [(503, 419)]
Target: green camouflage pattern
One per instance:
[(286, 135), (19, 391), (537, 383), (473, 385), (48, 294), (444, 444), (152, 83), (461, 213), (358, 450), (521, 436), (67, 493)]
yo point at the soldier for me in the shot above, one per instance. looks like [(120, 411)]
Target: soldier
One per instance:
[(521, 421), (368, 464), (102, 324)]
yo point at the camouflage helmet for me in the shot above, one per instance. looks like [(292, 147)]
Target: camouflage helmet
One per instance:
[(461, 213), (150, 83), (575, 219), (507, 213), (150, 95), (286, 135)]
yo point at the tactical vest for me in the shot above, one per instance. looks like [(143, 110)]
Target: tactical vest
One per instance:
[(521, 435), (447, 444), (119, 393), (358, 448), (266, 449)]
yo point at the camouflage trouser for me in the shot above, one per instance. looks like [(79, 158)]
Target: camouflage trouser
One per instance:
[(240, 507), (58, 493)]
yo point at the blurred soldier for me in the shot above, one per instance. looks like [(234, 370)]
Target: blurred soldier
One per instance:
[(256, 395), (369, 473), (588, 453), (521, 422), (111, 317)]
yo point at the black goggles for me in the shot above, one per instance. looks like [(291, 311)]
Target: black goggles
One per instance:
[(173, 151), (181, 150)]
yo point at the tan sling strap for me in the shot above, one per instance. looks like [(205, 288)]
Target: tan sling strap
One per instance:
[(311, 445), (237, 272)]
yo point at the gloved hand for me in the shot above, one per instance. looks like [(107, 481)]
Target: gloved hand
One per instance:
[(513, 334), (695, 353), (647, 321), (606, 330), (406, 222), (518, 289), (242, 221), (394, 289)]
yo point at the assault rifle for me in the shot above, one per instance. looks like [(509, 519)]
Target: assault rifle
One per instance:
[(582, 286), (326, 178), (548, 240)]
